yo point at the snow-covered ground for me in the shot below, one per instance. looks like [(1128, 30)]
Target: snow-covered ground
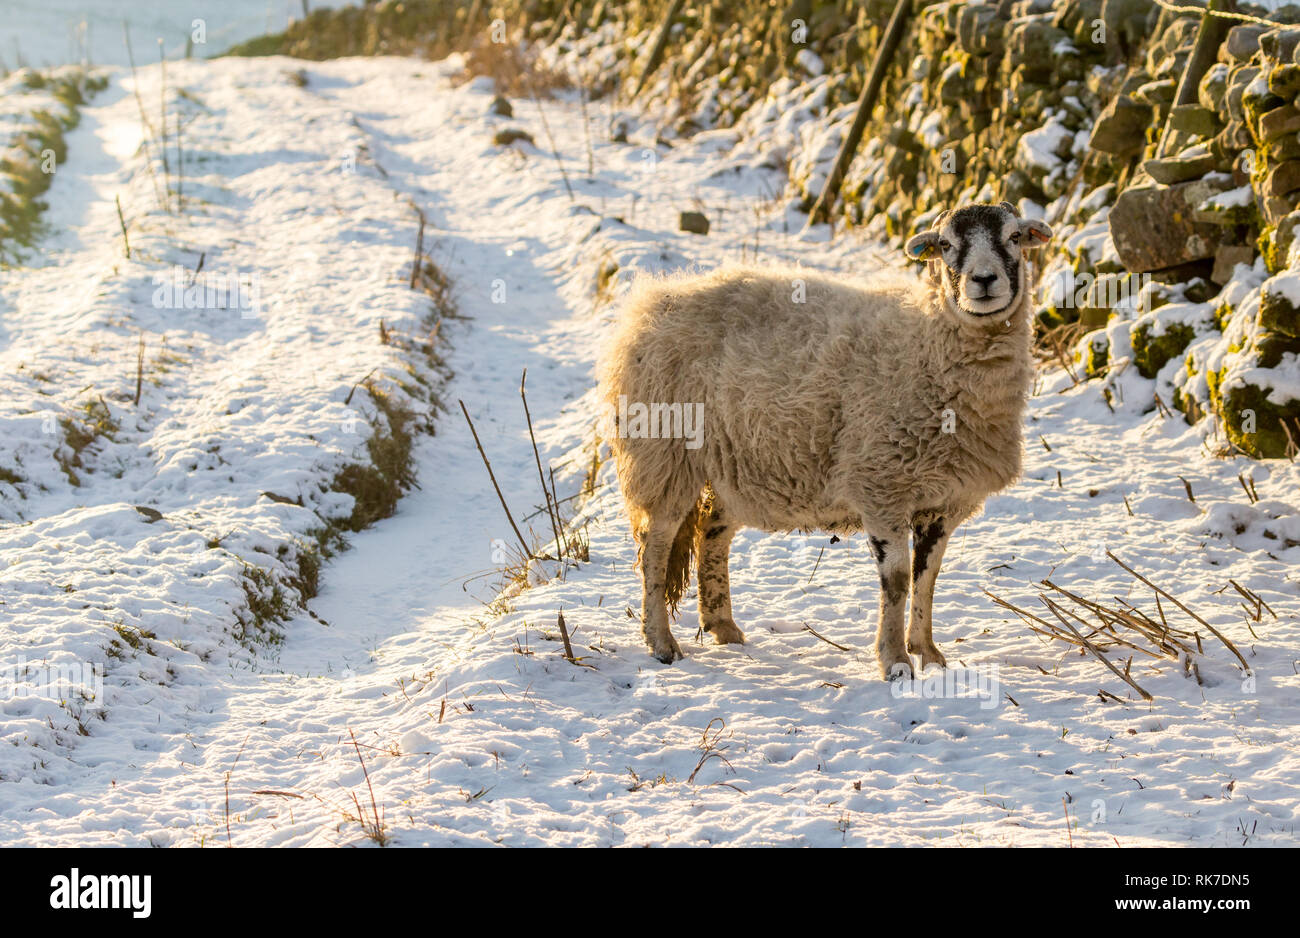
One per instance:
[(473, 727)]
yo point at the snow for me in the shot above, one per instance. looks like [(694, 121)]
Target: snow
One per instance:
[(473, 726), (1199, 316)]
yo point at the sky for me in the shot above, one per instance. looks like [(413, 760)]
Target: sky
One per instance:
[(50, 32)]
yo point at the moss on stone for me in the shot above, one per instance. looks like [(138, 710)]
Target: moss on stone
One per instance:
[(1254, 423), (1151, 353)]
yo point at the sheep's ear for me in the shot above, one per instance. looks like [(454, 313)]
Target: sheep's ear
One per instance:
[(922, 246), (1034, 233), (1008, 207)]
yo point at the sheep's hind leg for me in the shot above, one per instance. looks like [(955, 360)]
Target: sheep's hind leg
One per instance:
[(656, 543), (929, 539), (890, 550), (713, 548)]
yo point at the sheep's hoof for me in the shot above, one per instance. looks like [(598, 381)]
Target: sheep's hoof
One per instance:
[(666, 651), (725, 633), (899, 670), (930, 654)]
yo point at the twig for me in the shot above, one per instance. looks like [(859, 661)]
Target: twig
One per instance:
[(491, 475), (419, 248), (121, 220), (564, 634), (546, 493), (1252, 596), (555, 152), (1099, 656), (144, 119), (348, 400), (809, 628), (817, 564), (1217, 634), (162, 114), (139, 370), (378, 835)]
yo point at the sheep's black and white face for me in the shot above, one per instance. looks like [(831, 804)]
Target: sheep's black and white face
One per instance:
[(980, 253)]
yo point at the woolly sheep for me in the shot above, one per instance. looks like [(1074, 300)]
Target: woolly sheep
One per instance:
[(887, 405)]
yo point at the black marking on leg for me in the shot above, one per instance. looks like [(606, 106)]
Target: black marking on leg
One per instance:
[(877, 548), (716, 531), (924, 539), (893, 586)]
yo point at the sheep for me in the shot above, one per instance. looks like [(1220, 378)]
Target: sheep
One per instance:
[(889, 405)]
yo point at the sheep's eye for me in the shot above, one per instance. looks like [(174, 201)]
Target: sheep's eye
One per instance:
[(1015, 237), (944, 245)]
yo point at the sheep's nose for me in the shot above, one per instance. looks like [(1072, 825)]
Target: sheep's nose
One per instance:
[(984, 280)]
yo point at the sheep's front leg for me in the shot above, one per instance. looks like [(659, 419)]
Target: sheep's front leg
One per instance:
[(653, 561), (713, 548), (929, 539), (890, 550)]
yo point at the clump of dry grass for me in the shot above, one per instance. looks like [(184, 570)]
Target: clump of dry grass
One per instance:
[(1096, 628), (94, 420), (515, 66)]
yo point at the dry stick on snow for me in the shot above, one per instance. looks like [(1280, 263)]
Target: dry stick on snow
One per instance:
[(1252, 596), (1291, 447), (569, 656), (376, 830), (139, 370), (180, 165), (546, 493), (126, 242), (528, 554), (564, 635), (809, 628), (353, 390), (1217, 634), (144, 118), (586, 130), (817, 564), (198, 268), (1024, 614), (162, 109), (556, 501), (1068, 831), (1188, 486), (1165, 641), (238, 755), (1096, 653), (555, 151), (1250, 494), (419, 248)]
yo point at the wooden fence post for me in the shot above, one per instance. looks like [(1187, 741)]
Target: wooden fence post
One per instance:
[(1211, 34), (661, 41), (866, 102)]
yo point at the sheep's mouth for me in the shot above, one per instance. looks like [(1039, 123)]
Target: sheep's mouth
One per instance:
[(985, 299)]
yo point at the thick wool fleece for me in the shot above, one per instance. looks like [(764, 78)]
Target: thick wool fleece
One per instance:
[(868, 404)]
